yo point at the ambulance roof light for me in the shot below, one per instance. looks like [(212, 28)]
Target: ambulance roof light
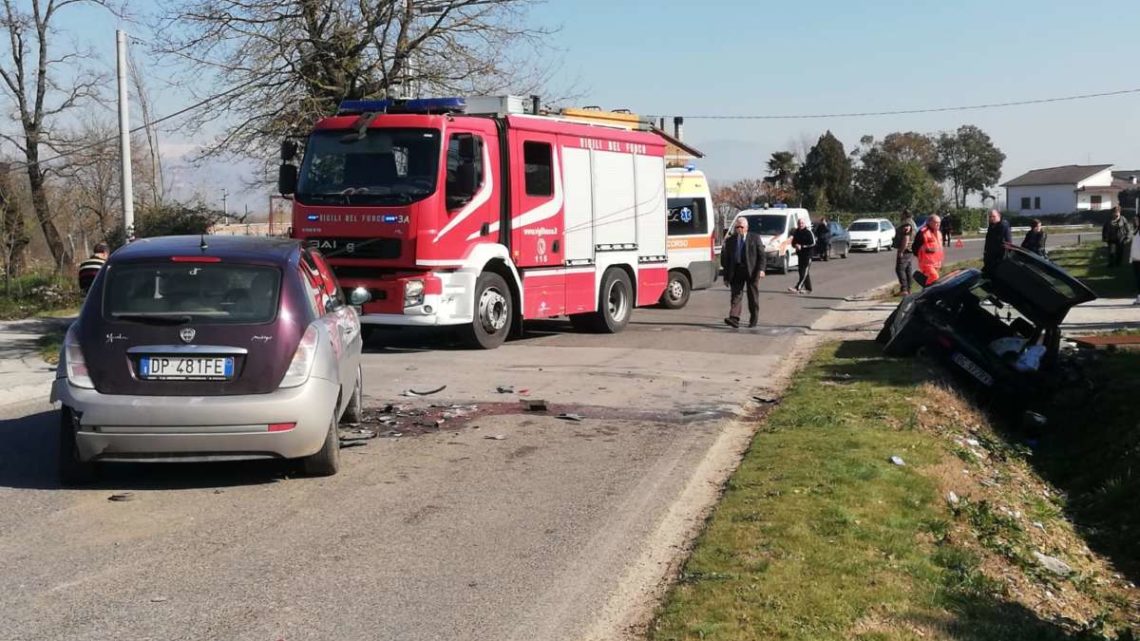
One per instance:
[(413, 106)]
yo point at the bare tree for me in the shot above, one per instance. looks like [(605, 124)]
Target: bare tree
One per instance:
[(277, 65), (155, 185), (31, 79), (13, 234)]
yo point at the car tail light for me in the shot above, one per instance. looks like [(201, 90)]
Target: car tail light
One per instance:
[(77, 373), (303, 358)]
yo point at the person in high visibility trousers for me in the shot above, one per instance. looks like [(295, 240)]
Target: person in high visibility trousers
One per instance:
[(929, 251)]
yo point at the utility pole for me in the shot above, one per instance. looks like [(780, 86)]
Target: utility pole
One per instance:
[(225, 209), (128, 189)]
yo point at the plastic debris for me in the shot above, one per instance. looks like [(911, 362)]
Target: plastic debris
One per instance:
[(347, 444), (570, 417), (898, 461), (412, 392), (505, 389), (495, 437), (952, 498), (766, 399), (158, 599), (121, 497)]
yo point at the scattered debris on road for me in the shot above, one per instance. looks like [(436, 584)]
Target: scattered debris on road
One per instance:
[(495, 437), (766, 400), (577, 418), (412, 392), (121, 497), (535, 405), (505, 389)]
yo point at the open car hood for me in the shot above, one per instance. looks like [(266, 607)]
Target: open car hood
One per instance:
[(1038, 288)]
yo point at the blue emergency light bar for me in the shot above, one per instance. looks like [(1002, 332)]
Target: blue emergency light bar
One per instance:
[(413, 106)]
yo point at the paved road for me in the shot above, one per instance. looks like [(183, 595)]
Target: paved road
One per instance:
[(501, 525)]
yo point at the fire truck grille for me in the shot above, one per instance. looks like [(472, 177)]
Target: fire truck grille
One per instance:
[(385, 248)]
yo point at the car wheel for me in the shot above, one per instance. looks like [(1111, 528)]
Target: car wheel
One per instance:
[(326, 462), (354, 413), (676, 294), (878, 245), (616, 302), (494, 311), (72, 470), (785, 263)]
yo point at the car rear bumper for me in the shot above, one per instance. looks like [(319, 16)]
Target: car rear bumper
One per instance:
[(145, 428)]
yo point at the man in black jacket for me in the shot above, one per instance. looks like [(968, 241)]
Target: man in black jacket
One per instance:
[(998, 236), (1116, 234), (743, 260), (802, 241)]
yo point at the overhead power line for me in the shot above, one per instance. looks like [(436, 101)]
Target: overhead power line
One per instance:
[(156, 121), (900, 112)]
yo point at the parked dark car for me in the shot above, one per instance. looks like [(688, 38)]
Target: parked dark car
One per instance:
[(840, 240), (209, 348), (1001, 331)]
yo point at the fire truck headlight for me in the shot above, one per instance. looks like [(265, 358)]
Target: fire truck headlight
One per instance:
[(413, 293)]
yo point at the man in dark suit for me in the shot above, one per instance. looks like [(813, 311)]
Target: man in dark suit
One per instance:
[(743, 260)]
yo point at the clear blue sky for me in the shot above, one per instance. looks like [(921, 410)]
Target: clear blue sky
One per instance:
[(709, 57), (705, 57)]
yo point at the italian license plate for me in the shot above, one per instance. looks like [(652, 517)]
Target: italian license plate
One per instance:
[(973, 369), (184, 368)]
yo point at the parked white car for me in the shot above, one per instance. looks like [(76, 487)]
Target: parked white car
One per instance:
[(871, 234)]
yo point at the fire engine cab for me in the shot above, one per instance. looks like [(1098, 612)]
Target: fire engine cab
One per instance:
[(481, 213)]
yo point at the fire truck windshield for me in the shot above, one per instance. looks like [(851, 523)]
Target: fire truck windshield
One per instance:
[(382, 167)]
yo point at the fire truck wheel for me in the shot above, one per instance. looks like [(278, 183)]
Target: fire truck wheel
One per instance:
[(493, 312), (616, 302), (676, 294)]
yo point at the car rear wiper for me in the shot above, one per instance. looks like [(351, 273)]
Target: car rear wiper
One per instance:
[(154, 319)]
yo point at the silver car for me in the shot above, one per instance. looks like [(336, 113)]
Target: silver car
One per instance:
[(209, 348)]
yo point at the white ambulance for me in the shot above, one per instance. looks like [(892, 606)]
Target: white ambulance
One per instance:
[(692, 235), (775, 226)]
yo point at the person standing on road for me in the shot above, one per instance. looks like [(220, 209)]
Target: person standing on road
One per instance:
[(998, 236), (1116, 235), (904, 240), (91, 267), (1135, 254), (928, 247), (823, 239), (802, 242), (743, 260), (948, 228), (1035, 239)]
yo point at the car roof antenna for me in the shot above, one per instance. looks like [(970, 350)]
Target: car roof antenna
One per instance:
[(203, 245)]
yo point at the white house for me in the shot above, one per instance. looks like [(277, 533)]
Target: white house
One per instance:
[(1062, 190)]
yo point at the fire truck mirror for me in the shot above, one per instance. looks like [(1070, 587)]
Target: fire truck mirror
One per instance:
[(288, 150), (287, 179)]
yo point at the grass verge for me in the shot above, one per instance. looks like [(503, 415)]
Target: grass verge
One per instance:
[(819, 536), (38, 295), (1089, 262), (48, 345)]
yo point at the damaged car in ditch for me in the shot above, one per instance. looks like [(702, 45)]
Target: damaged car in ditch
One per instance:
[(1001, 330)]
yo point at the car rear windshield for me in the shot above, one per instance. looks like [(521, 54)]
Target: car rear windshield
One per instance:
[(865, 226), (192, 292), (767, 224)]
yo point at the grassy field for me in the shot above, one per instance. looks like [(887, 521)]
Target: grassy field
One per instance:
[(1088, 262), (820, 536)]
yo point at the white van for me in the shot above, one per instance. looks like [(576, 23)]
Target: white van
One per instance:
[(775, 227), (692, 238)]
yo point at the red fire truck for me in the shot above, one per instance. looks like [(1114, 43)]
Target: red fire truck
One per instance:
[(480, 213)]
